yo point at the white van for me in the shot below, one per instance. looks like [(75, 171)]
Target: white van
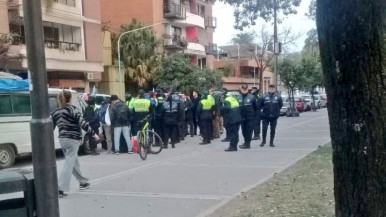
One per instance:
[(15, 117)]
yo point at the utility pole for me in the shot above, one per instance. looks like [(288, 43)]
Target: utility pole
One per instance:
[(275, 42), (42, 136)]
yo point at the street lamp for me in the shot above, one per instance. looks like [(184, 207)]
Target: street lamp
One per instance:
[(119, 47)]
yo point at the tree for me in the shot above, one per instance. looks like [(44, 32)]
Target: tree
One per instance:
[(138, 53), (178, 74), (5, 41), (292, 76), (353, 56), (246, 11), (244, 38), (312, 10)]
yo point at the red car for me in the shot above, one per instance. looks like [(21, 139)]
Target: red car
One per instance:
[(299, 104)]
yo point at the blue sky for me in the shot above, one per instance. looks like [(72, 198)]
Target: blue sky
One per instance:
[(224, 32)]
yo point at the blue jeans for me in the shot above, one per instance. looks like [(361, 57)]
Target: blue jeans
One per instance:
[(117, 136)]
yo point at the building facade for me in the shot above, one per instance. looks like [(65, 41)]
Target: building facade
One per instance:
[(73, 52), (188, 24)]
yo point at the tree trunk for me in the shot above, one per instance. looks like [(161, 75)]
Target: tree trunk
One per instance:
[(351, 37)]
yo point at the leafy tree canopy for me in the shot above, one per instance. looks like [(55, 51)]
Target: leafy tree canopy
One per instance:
[(244, 38), (246, 12), (138, 53), (178, 74)]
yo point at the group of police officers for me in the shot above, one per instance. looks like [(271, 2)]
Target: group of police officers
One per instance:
[(174, 113)]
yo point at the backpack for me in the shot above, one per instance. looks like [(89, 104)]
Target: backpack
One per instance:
[(121, 114)]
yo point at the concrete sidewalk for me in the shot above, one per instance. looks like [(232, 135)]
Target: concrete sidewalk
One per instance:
[(190, 180)]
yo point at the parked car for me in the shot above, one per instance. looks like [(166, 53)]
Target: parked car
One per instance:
[(323, 100), (15, 118), (299, 104), (285, 107), (307, 102)]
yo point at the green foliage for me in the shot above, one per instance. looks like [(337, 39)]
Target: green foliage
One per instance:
[(312, 70), (244, 38), (312, 10), (138, 53), (291, 73), (246, 11), (311, 44), (177, 73), (227, 70)]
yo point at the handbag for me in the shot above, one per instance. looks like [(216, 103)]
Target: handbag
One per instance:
[(107, 117)]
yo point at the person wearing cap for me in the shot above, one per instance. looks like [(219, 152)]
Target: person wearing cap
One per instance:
[(249, 109), (141, 108), (224, 94), (271, 104), (204, 116), (196, 100), (215, 98), (157, 123), (256, 129), (230, 110), (170, 111)]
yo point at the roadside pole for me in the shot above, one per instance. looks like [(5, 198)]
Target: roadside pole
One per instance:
[(43, 150)]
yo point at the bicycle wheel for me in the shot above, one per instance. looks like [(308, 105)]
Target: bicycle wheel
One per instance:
[(142, 150), (155, 142)]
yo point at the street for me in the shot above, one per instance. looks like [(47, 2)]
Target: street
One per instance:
[(190, 180)]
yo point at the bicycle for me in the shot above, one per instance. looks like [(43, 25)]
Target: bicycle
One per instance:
[(149, 142)]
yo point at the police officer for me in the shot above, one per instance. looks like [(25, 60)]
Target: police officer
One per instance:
[(205, 116), (256, 129), (170, 110), (230, 110), (188, 115), (271, 104), (181, 119), (141, 108), (249, 108), (157, 123), (215, 98)]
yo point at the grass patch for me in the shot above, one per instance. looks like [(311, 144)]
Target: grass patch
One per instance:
[(303, 190)]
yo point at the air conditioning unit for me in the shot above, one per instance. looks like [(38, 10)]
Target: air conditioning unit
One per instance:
[(90, 76)]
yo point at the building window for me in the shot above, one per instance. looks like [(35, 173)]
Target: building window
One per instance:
[(71, 3), (200, 9)]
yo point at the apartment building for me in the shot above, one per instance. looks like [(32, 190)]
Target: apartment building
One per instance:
[(240, 67), (188, 27), (72, 38)]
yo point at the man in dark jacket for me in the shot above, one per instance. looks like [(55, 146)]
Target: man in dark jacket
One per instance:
[(195, 99), (189, 115), (91, 116), (230, 110), (181, 122), (157, 123), (204, 116), (271, 104), (120, 116), (256, 129), (249, 109), (170, 111)]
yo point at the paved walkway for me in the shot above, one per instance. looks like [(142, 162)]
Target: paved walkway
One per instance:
[(190, 180)]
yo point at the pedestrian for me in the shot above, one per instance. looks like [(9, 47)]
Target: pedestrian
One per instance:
[(157, 123), (106, 127), (230, 110), (216, 123), (90, 115), (69, 120), (189, 115), (213, 126), (170, 120), (224, 94), (249, 109), (271, 104), (120, 116), (204, 116), (256, 129), (196, 100), (142, 107), (182, 118)]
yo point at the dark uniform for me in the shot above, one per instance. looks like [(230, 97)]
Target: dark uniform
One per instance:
[(141, 108), (249, 109), (271, 104), (189, 117), (157, 123), (91, 116), (181, 118), (230, 110), (195, 101), (256, 129), (205, 116), (170, 120)]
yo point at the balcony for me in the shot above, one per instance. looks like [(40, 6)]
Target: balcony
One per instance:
[(195, 48), (191, 20), (175, 42), (211, 49), (174, 11), (211, 22)]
